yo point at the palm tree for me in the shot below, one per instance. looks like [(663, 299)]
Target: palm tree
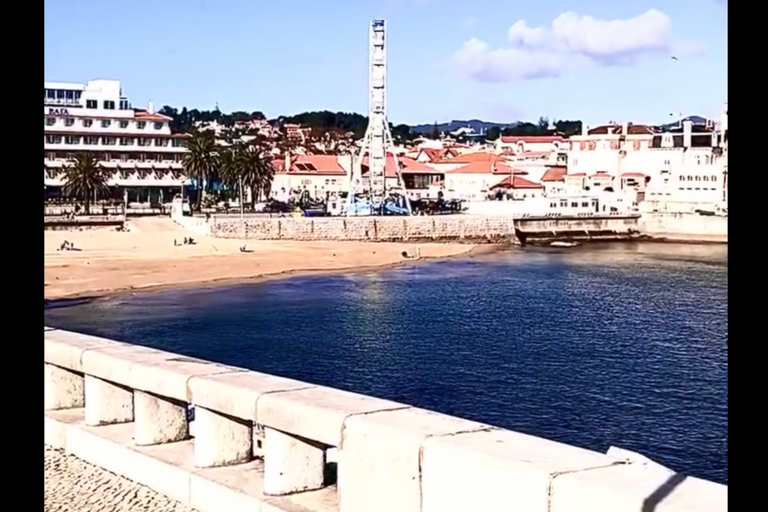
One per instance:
[(84, 178), (200, 160), (256, 171)]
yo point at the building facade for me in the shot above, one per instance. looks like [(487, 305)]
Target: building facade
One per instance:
[(137, 146)]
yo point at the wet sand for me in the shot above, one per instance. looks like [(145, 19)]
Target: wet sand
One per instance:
[(108, 261)]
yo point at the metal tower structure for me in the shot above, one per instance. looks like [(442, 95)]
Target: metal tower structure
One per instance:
[(377, 142)]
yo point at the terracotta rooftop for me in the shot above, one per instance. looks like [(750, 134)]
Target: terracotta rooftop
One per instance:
[(617, 129), (407, 165), (633, 175), (434, 154), (517, 182), (554, 174), (576, 175), (143, 115), (316, 165), (486, 167), (467, 158)]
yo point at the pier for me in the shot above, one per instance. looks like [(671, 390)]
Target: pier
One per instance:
[(214, 437)]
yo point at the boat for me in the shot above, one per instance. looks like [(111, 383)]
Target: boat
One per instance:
[(563, 244)]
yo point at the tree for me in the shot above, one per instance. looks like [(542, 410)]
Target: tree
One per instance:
[(436, 132), (200, 160), (84, 178), (493, 133)]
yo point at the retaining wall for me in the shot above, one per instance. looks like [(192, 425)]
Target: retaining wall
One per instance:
[(265, 443), (467, 228), (685, 226)]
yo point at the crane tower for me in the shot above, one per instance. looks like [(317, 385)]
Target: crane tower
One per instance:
[(377, 142)]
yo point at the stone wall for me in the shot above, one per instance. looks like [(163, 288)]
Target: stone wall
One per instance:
[(469, 228), (685, 227), (262, 442)]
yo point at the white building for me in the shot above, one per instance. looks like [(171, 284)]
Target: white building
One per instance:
[(136, 145)]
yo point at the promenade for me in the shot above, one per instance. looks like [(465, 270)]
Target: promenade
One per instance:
[(74, 485)]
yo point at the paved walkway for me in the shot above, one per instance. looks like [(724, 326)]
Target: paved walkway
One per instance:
[(74, 485)]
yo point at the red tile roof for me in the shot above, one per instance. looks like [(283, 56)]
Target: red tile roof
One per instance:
[(532, 139), (633, 175), (601, 174), (576, 175), (517, 182), (468, 158), (407, 166), (310, 165), (143, 115), (486, 167), (554, 174), (617, 129), (434, 154)]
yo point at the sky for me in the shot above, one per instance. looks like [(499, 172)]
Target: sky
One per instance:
[(502, 61)]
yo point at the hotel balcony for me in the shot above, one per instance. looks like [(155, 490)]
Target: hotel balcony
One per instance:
[(116, 147), (127, 177)]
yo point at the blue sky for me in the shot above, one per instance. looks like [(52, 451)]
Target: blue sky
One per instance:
[(595, 60)]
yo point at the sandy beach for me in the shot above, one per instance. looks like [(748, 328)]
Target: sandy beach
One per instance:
[(108, 261)]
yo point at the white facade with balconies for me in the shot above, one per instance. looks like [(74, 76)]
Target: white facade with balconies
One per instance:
[(138, 145)]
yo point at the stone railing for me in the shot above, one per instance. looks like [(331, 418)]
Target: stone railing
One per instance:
[(221, 438)]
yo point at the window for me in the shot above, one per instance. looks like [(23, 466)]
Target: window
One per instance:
[(158, 126), (107, 157), (91, 104), (53, 139), (50, 156), (72, 140), (666, 162), (87, 123), (161, 142), (126, 141), (109, 105), (706, 178), (69, 121), (124, 157), (574, 205), (105, 123), (124, 105), (698, 178), (141, 125), (682, 178), (91, 141), (144, 142), (177, 143), (585, 205), (141, 156), (123, 124), (50, 121), (109, 141)]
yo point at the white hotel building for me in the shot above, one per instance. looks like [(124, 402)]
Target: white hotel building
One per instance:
[(136, 145)]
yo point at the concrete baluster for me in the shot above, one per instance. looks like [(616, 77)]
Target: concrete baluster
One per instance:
[(158, 419), (220, 439), (291, 463), (63, 389), (107, 403)]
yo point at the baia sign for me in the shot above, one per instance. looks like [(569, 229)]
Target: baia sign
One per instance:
[(58, 112)]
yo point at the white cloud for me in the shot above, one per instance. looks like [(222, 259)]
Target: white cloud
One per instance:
[(504, 64), (536, 52)]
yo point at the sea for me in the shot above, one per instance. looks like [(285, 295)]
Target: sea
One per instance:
[(603, 345)]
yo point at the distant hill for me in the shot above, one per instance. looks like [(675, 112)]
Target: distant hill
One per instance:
[(476, 124), (480, 126)]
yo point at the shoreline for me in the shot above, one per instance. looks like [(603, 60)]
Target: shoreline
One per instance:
[(62, 300)]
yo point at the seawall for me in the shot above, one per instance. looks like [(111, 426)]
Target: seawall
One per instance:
[(261, 442), (453, 228), (684, 227)]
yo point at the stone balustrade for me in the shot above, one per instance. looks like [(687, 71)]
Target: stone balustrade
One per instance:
[(259, 442)]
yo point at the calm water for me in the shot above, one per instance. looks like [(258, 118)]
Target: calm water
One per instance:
[(622, 345)]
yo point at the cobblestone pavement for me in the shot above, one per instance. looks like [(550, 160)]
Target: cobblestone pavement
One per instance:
[(74, 485)]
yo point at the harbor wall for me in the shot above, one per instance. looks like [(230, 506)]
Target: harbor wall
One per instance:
[(684, 227), (221, 438), (454, 228)]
